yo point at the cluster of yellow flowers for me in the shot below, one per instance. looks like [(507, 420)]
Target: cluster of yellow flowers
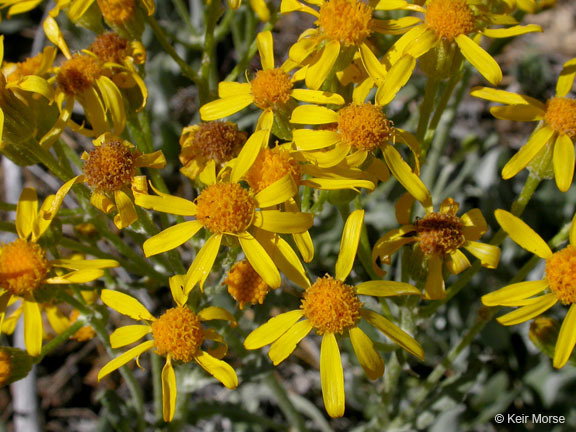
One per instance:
[(322, 126)]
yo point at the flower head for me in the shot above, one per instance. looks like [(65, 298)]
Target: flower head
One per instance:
[(25, 269), (245, 285), (532, 297), (555, 134), (178, 334), (331, 307), (15, 364), (439, 236)]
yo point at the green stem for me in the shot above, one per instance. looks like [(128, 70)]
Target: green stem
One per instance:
[(426, 110), (208, 64), (287, 407), (59, 339), (156, 361), (182, 11), (186, 70)]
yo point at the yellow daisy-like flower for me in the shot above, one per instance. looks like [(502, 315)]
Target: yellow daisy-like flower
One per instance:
[(454, 27), (557, 128), (439, 236), (25, 270), (331, 307), (343, 27), (227, 209), (558, 284), (360, 128), (178, 335), (245, 285), (110, 171), (271, 90)]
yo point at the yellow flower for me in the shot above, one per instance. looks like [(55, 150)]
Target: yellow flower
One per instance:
[(245, 285), (556, 131), (454, 27), (330, 307), (178, 335), (343, 27), (363, 129), (25, 270), (227, 209), (271, 90), (110, 171), (213, 141), (439, 236), (558, 284)]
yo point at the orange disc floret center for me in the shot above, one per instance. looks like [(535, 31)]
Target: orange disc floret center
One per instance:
[(117, 11), (5, 367), (109, 47), (178, 333), (271, 165), (364, 127), (440, 233), (331, 305), (23, 267), (561, 274), (450, 18), (271, 89), (245, 285), (78, 74), (561, 115), (225, 208), (346, 21), (110, 166), (217, 140)]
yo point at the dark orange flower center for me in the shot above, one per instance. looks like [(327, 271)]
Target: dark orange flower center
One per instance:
[(117, 11), (346, 21), (271, 165), (110, 166), (440, 233), (245, 285), (331, 305), (225, 208), (23, 267), (5, 367), (271, 89), (109, 47), (217, 140), (78, 74), (364, 127), (561, 115), (178, 333), (450, 18), (561, 274)]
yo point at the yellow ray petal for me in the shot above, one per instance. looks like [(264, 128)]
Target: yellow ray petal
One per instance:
[(113, 102), (166, 204), (155, 160), (35, 84), (309, 139), (283, 222), (257, 141), (313, 115), (403, 209), (489, 255), (216, 313), (55, 36), (566, 78), (32, 328), (286, 343), (171, 238), (535, 143), (265, 45), (522, 113), (349, 244), (272, 329), (369, 359), (397, 77), (457, 262), (219, 369), (80, 264), (480, 59), (202, 264), (260, 260), (332, 157), (514, 292), (566, 339), (474, 224), (102, 202), (422, 43), (381, 288), (277, 193), (317, 96), (526, 313), (26, 212), (128, 335), (126, 211), (434, 287), (126, 305), (78, 276), (563, 160), (124, 358), (168, 391), (573, 231), (375, 69), (227, 89), (395, 333), (225, 107), (506, 97), (58, 321), (176, 283), (318, 72), (288, 6), (522, 234), (332, 376), (511, 31)]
